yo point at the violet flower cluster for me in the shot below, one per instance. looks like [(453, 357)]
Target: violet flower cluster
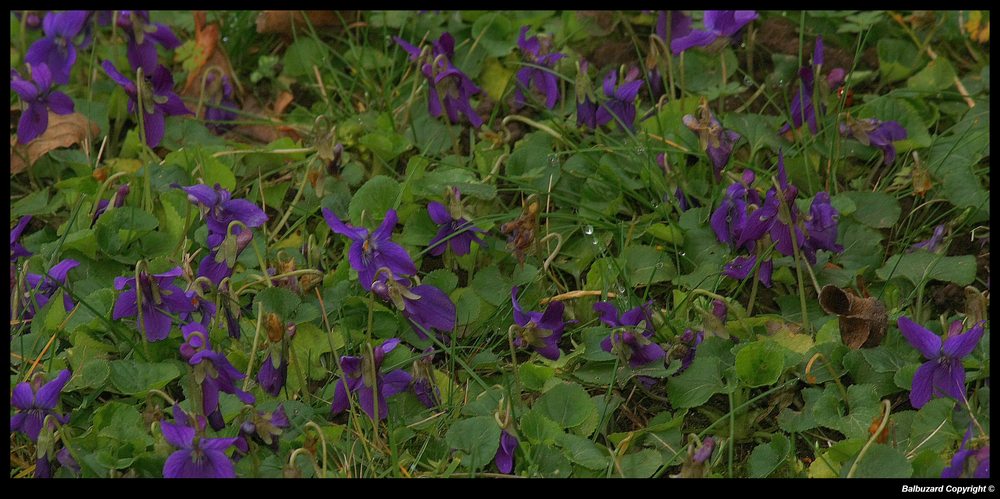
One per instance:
[(633, 342), (448, 86), (537, 73)]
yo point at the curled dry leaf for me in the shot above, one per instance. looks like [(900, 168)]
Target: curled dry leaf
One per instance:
[(280, 21), (64, 130), (863, 321), (210, 54)]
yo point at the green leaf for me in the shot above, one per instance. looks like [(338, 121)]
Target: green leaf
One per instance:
[(492, 286), (922, 265), (375, 198), (534, 376), (645, 265), (883, 461), (875, 209), (216, 172), (443, 279), (936, 76), (277, 300), (759, 363), (309, 344), (582, 451), (477, 437), (768, 457), (301, 55), (567, 404), (640, 464), (897, 59), (132, 377), (538, 429), (467, 306), (494, 32), (932, 426), (95, 373), (693, 387), (888, 108)]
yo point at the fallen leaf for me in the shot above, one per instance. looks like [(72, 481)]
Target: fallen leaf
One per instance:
[(210, 54), (862, 320), (64, 130), (281, 21)]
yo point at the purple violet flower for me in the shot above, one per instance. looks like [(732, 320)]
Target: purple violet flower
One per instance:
[(426, 306), (160, 298), (447, 85), (637, 344), (717, 141), (34, 401), (197, 457), (371, 251), (262, 427), (217, 375), (143, 37), (821, 227), (221, 209), (504, 458), (40, 98), (16, 250), (690, 341), (540, 331), (943, 373), (423, 385), (718, 24), (118, 200), (705, 451), (158, 99), (56, 49), (620, 106), (456, 231), (221, 105), (537, 52), (971, 462), (364, 376), (875, 133), (41, 288), (933, 243)]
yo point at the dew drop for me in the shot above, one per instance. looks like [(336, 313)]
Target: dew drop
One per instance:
[(743, 45), (747, 81), (640, 150), (225, 39), (683, 253), (588, 230), (621, 290), (553, 159), (659, 265), (593, 240)]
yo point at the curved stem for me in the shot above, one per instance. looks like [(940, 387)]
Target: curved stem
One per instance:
[(886, 407)]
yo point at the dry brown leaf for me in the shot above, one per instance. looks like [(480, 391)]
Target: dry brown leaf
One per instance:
[(280, 21), (64, 130), (210, 55), (863, 321)]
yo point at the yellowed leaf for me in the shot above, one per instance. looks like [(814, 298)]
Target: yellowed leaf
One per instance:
[(64, 130)]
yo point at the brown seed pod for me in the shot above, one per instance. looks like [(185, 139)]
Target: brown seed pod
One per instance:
[(862, 320)]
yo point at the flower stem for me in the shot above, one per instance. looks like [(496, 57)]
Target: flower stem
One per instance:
[(886, 408)]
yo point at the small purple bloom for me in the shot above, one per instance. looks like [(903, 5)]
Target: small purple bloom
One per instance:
[(504, 458), (423, 384), (198, 457), (718, 24), (425, 306), (705, 451), (540, 331), (455, 227), (821, 228), (371, 251), (637, 344), (34, 402), (272, 374), (875, 133), (537, 53), (160, 298), (217, 375), (943, 373), (447, 85), (364, 376), (221, 209), (221, 105), (620, 106), (262, 427), (717, 141), (933, 243), (158, 99), (42, 287), (40, 98), (689, 341), (56, 49), (586, 113), (118, 201), (16, 250), (143, 37), (977, 462)]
